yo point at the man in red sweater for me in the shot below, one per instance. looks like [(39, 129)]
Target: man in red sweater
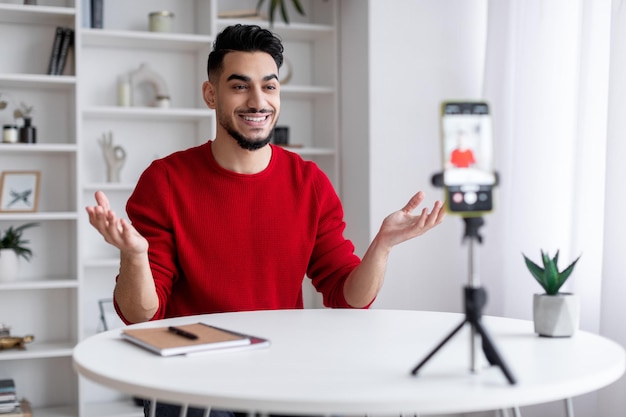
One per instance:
[(462, 156), (237, 223)]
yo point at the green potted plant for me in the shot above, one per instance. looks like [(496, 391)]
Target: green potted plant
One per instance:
[(555, 313), (13, 246), (279, 4)]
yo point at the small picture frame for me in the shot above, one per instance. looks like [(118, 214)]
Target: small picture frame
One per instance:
[(19, 191), (108, 316)]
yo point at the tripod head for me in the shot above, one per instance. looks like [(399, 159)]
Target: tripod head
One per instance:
[(472, 226)]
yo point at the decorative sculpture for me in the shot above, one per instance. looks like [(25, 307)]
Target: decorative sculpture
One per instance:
[(114, 156), (12, 342), (144, 74), (15, 342)]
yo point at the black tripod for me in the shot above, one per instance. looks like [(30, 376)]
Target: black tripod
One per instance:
[(475, 299)]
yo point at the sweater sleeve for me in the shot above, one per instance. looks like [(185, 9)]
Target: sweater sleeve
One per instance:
[(333, 256), (148, 210)]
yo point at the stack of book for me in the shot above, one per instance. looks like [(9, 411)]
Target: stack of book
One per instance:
[(63, 41), (9, 404), (8, 396)]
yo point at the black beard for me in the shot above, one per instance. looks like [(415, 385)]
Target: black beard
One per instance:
[(242, 141), (246, 143)]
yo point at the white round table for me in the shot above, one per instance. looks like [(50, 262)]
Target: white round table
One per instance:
[(326, 361)]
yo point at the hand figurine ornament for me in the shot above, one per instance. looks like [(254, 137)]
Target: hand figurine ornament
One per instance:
[(114, 156)]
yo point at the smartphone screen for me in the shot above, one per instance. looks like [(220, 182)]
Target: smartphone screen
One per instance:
[(467, 139)]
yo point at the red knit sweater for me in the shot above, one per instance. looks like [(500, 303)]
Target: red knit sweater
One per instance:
[(221, 241)]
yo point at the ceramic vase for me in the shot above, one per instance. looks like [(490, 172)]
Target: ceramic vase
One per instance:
[(8, 265), (556, 315), (28, 132)]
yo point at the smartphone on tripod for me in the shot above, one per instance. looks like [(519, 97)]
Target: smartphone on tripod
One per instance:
[(467, 148)]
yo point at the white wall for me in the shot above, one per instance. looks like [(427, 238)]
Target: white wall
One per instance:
[(354, 119), (399, 60)]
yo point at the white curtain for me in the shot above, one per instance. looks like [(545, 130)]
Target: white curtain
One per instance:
[(555, 76), (613, 296)]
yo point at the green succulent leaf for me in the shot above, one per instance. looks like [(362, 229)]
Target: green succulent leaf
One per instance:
[(283, 11), (536, 271), (273, 5), (298, 6), (551, 274), (259, 4), (568, 271), (549, 277)]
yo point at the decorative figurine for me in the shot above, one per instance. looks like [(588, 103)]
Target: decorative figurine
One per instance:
[(114, 156), (12, 342), (15, 342), (144, 74)]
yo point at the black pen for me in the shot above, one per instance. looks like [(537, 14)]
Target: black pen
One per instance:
[(182, 333)]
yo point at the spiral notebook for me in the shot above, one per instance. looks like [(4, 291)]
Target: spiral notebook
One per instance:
[(190, 339)]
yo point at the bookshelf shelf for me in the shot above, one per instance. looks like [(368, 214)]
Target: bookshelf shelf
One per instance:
[(34, 148), (145, 40), (309, 151), (17, 13), (39, 216), (42, 284), (58, 82), (146, 113), (108, 186), (35, 350)]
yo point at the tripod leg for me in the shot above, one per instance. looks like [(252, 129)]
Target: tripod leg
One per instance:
[(439, 346), (491, 352)]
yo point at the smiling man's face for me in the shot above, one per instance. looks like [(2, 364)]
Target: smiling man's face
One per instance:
[(246, 98)]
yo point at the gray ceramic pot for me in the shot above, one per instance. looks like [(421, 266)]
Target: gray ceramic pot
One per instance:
[(556, 315)]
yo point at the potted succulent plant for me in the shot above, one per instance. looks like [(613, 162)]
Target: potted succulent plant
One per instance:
[(555, 313), (13, 246)]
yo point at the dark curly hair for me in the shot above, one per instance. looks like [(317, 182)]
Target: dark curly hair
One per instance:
[(245, 38)]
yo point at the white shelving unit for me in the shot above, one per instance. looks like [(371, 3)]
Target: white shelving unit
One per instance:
[(57, 293), (44, 300)]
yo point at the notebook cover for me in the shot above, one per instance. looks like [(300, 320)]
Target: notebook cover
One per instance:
[(164, 342)]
